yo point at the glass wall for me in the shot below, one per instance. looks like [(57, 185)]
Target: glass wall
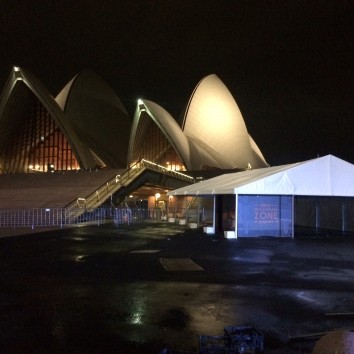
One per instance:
[(260, 215), (35, 143), (151, 144)]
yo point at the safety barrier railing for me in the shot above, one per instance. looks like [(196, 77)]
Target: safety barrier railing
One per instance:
[(51, 217), (17, 218), (59, 217), (136, 215)]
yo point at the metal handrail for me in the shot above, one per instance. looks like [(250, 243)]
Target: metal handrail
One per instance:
[(104, 191), (118, 181), (159, 168)]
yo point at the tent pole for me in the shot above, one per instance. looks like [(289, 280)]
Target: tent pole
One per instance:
[(293, 216), (185, 209), (198, 212), (236, 215), (176, 209), (344, 214), (214, 206)]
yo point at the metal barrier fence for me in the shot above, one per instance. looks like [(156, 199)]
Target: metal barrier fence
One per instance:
[(135, 215), (60, 217), (31, 217)]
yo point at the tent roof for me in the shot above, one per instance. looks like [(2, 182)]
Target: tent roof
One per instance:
[(324, 176)]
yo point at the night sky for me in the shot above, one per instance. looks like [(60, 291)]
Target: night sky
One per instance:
[(288, 63)]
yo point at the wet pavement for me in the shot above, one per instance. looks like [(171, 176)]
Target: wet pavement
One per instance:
[(142, 288)]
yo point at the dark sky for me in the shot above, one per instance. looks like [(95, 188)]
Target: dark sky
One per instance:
[(288, 63)]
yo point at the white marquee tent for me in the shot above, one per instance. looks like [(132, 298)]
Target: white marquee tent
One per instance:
[(326, 176)]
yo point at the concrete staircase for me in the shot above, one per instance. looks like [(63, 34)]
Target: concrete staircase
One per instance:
[(76, 192), (50, 190)]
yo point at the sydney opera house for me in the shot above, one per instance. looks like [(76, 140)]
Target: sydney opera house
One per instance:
[(86, 126)]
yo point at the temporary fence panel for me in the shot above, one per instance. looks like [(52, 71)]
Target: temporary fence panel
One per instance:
[(51, 217), (60, 217)]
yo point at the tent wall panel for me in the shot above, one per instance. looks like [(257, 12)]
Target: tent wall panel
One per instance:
[(323, 215), (264, 216), (348, 214)]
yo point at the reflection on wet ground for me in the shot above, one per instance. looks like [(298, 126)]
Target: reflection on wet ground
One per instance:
[(108, 290)]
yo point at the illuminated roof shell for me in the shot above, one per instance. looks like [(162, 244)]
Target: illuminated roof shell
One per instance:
[(98, 116), (213, 121), (167, 124), (214, 134)]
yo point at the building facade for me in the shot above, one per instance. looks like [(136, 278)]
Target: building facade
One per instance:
[(87, 126)]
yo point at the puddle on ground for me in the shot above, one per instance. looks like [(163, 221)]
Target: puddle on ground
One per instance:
[(174, 318)]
